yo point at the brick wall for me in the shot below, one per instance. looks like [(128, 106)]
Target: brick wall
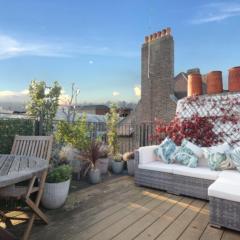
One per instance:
[(157, 80)]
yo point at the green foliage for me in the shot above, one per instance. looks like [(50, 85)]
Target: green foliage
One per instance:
[(43, 104), (117, 157), (59, 174), (112, 138), (93, 151), (76, 134), (11, 127)]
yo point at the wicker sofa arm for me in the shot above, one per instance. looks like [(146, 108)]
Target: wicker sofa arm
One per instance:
[(145, 154)]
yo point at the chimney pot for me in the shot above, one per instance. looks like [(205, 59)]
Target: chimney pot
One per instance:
[(155, 36), (234, 79), (159, 34), (151, 37), (164, 32), (146, 39), (168, 31)]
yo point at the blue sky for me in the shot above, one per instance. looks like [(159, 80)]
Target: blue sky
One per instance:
[(96, 44)]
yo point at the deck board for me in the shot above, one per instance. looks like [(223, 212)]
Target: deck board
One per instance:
[(197, 226), (119, 210)]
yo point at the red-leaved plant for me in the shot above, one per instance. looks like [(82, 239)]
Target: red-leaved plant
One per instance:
[(198, 130)]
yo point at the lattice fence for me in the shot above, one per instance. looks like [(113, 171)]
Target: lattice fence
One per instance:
[(223, 110)]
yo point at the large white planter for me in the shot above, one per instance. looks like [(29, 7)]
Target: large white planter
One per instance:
[(102, 165), (131, 167), (55, 194), (117, 166), (95, 176)]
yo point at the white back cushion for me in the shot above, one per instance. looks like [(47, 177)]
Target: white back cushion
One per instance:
[(146, 154)]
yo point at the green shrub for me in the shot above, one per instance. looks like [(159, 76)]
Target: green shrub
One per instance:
[(59, 174), (77, 134), (11, 127)]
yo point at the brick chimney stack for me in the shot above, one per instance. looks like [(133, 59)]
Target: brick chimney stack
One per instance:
[(157, 76)]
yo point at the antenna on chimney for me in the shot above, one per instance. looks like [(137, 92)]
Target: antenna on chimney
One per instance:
[(150, 39)]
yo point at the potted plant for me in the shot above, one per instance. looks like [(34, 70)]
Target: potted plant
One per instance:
[(103, 162), (112, 140), (56, 187), (129, 158), (91, 154), (117, 163), (75, 138)]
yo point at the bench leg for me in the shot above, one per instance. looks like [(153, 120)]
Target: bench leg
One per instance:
[(215, 226)]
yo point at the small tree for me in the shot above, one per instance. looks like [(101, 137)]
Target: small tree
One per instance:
[(112, 138), (77, 134), (43, 104), (70, 111)]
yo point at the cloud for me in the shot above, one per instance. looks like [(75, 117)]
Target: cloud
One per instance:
[(14, 96), (115, 93), (11, 47), (23, 96), (215, 12), (137, 91), (102, 51)]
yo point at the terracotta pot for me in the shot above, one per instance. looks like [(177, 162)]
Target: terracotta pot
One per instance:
[(214, 82), (234, 79), (194, 84), (159, 34), (151, 37)]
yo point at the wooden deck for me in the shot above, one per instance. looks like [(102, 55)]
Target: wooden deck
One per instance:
[(119, 210)]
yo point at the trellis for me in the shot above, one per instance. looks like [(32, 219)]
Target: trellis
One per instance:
[(223, 110)]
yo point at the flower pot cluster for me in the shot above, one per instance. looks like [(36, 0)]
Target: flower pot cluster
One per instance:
[(214, 82), (83, 155)]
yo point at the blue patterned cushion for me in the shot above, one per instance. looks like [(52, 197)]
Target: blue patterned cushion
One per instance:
[(184, 155), (166, 150), (235, 157), (219, 161)]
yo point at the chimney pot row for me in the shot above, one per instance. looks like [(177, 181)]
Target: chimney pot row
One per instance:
[(157, 35)]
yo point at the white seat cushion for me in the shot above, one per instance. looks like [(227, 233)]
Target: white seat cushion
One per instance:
[(157, 166), (225, 189), (232, 176), (198, 172)]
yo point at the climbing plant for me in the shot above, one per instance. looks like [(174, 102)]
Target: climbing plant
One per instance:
[(112, 136)]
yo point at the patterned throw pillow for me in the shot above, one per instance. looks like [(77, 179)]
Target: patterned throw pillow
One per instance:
[(184, 155), (195, 149), (235, 157), (166, 150), (219, 161)]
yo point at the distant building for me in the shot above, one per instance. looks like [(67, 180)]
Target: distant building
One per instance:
[(180, 83), (124, 112), (93, 109)]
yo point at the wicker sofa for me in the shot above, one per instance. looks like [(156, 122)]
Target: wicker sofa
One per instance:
[(221, 188)]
